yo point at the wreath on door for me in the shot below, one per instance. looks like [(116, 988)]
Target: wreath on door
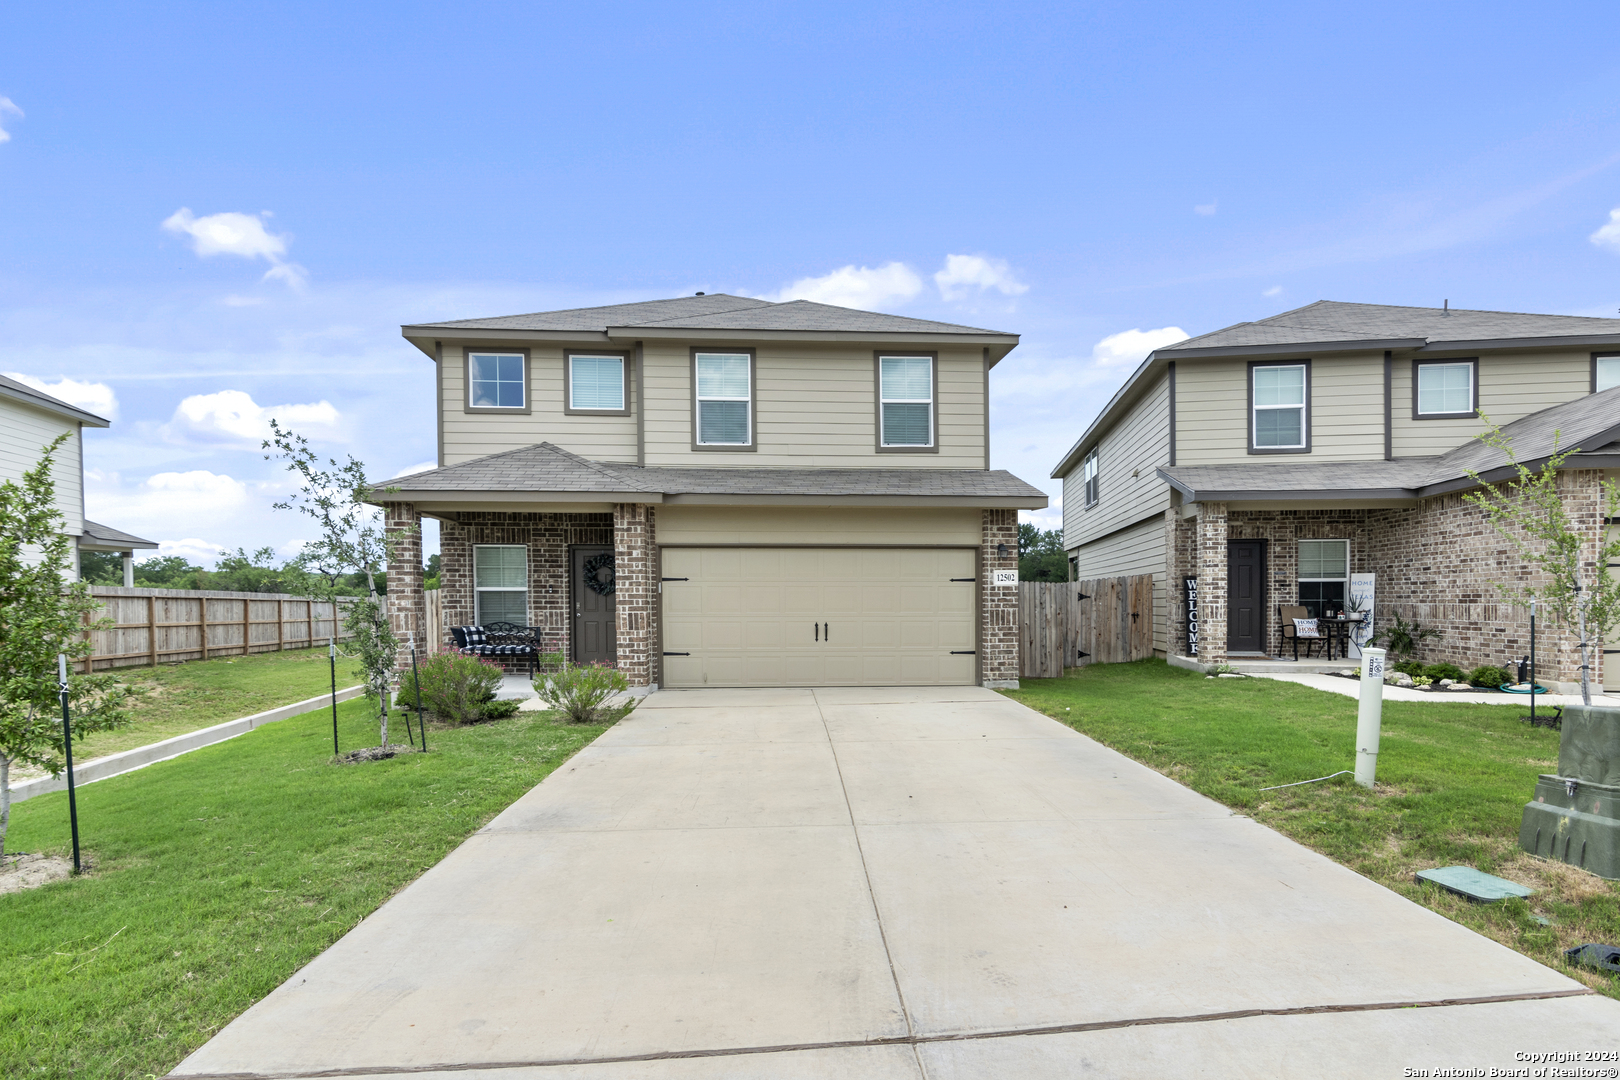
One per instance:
[(599, 576)]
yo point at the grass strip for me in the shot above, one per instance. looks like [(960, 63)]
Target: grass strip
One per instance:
[(1453, 779), (217, 875)]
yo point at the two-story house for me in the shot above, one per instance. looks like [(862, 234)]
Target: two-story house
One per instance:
[(721, 491), (1271, 460), (31, 420)]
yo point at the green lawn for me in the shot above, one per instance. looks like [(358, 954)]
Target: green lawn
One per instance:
[(1452, 782), (216, 875), (201, 693)]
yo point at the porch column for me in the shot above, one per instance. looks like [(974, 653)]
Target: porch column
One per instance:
[(1211, 555), (635, 592), (129, 569), (998, 613), (406, 602)]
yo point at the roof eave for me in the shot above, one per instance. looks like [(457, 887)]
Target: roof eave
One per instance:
[(49, 404), (983, 502), (1564, 341), (1102, 417), (1295, 348)]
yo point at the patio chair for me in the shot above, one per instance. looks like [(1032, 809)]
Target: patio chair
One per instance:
[(1291, 633), (498, 639)]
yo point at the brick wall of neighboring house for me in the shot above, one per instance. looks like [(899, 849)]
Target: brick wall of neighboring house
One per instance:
[(998, 616), (635, 596), (548, 538), (406, 604)]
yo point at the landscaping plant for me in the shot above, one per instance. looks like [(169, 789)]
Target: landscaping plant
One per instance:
[(1404, 638), (352, 540), (580, 690), (1487, 675), (1528, 512), (1437, 672), (460, 689), (43, 614)]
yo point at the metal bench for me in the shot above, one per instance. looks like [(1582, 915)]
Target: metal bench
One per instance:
[(498, 639)]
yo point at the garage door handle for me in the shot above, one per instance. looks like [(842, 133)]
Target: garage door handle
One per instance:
[(677, 579), (677, 654), (815, 626), (964, 579), (826, 632), (964, 652)]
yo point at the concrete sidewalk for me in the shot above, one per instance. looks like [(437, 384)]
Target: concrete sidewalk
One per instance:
[(891, 883)]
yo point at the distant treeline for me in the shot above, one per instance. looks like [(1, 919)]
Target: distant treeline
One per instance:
[(240, 571)]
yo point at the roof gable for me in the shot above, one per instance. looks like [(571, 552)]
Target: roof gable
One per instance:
[(20, 391)]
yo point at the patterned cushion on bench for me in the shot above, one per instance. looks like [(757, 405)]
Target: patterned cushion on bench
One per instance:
[(1306, 628), (475, 635), (505, 650)]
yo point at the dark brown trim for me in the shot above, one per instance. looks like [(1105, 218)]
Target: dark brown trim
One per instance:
[(1601, 356), (984, 403), (438, 379), (1248, 416), (466, 381), (641, 410), (1170, 372), (1389, 405), (753, 401), (568, 382), (878, 356), (1417, 363)]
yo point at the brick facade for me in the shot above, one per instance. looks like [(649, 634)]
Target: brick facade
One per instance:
[(406, 604), (635, 596), (1209, 556), (998, 613), (1180, 545)]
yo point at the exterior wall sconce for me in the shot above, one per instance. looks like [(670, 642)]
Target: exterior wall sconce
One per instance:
[(1001, 551)]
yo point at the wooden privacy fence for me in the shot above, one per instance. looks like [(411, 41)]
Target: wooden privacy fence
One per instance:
[(155, 626), (1058, 629)]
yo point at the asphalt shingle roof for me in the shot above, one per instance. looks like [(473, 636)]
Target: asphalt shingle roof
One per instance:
[(716, 312), (1591, 423), (97, 533), (545, 467)]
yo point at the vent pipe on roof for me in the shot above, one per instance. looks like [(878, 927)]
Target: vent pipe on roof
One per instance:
[(1445, 310)]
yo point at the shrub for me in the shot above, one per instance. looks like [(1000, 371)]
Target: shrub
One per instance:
[(1421, 680), (500, 710), (1444, 671), (1408, 667), (579, 690), (455, 687), (1404, 638), (1486, 675)]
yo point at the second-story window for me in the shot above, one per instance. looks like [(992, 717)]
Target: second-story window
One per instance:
[(1445, 390), (1088, 474), (1279, 394), (1605, 372), (906, 401), (725, 405), (596, 383), (496, 381)]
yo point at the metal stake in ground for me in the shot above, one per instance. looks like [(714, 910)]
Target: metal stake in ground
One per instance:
[(331, 653), (67, 743), (1369, 719), (1532, 663), (417, 679)]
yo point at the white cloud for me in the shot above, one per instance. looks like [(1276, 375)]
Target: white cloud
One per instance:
[(232, 416), (1205, 209), (1275, 290), (7, 106), (1130, 347), (962, 273), (1609, 235), (237, 234), (855, 287), (191, 549), (91, 396)]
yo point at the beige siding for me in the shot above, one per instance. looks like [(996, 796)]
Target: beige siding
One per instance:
[(1346, 410), (1136, 550), (1510, 386), (1347, 407), (470, 435), (1128, 484), (947, 526), (24, 432), (1212, 398)]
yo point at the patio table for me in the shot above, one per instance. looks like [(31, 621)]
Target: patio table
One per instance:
[(1337, 629)]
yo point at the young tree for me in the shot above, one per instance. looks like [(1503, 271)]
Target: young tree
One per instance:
[(352, 540), (42, 614), (1528, 512)]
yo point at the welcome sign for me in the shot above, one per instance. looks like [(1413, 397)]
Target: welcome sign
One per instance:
[(1189, 595)]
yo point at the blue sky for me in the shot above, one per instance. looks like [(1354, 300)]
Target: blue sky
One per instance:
[(1108, 177)]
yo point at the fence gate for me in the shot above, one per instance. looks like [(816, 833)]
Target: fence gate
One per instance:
[(1073, 623)]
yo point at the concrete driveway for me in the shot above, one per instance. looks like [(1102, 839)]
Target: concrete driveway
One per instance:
[(896, 883)]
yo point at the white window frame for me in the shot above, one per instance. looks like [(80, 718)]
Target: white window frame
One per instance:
[(479, 590), (1418, 412), (1301, 579), (522, 357), (698, 399), (1089, 470), (622, 408), (1304, 409), (933, 391), (1598, 360)]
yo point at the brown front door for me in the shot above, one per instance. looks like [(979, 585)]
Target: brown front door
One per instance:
[(1246, 596), (592, 579)]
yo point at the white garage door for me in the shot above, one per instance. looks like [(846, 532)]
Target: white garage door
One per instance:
[(818, 616)]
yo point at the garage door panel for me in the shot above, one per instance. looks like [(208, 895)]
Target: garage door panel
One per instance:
[(755, 616)]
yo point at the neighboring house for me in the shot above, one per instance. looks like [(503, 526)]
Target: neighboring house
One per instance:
[(720, 491), (31, 420), (1273, 459)]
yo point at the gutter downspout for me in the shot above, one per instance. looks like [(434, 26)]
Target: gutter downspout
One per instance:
[(1389, 382), (438, 394), (641, 410)]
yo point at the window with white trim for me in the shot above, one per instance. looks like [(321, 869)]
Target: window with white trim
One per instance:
[(1324, 571), (501, 583), (724, 399), (1088, 475), (1606, 372), (1278, 422), (906, 400), (495, 381), (596, 382), (1445, 389)]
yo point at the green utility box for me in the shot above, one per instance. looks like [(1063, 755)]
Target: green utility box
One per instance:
[(1575, 817)]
